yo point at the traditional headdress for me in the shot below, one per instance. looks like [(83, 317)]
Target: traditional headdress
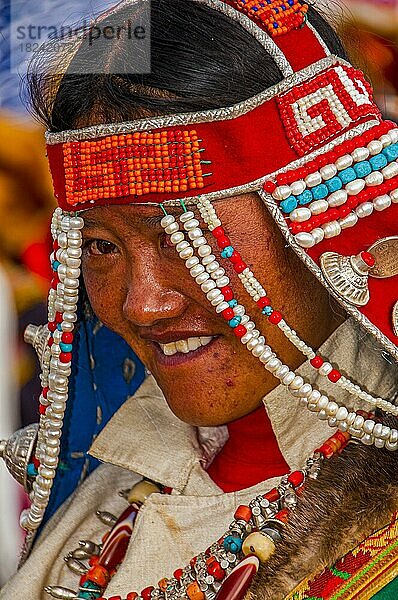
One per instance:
[(324, 162)]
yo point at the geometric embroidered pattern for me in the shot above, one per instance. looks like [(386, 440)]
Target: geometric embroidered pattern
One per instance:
[(321, 108), (132, 164), (359, 574)]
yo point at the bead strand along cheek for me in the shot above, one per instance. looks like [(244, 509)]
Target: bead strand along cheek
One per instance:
[(200, 269), (259, 295), (55, 361), (337, 416)]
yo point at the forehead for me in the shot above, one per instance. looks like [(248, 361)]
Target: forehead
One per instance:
[(139, 215)]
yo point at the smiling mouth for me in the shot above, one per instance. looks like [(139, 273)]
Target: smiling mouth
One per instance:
[(185, 346)]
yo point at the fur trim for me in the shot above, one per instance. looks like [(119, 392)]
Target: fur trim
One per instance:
[(355, 495)]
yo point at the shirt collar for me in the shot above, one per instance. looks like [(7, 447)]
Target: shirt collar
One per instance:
[(145, 437)]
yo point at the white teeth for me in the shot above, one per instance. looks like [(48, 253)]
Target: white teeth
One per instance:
[(185, 346)]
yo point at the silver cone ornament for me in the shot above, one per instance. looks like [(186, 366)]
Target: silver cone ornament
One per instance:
[(348, 275), (17, 452)]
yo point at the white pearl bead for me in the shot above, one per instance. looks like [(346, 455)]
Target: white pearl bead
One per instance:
[(322, 402), (247, 337), (342, 413), (305, 390), (186, 253), (337, 198), (360, 154), (375, 178), (239, 310), (182, 245), (393, 135), (213, 293), (382, 202), (325, 369), (217, 299), (394, 196), (186, 216), (375, 147), (354, 187), (331, 229), (202, 278), (358, 422), (204, 250), (196, 270), (349, 220), (222, 282), (176, 237), (305, 240), (328, 171), (221, 307), (313, 179), (191, 224), (318, 207), (390, 170), (172, 228), (318, 234), (300, 214), (298, 187), (209, 258), (199, 242), (252, 343), (266, 355), (385, 140), (75, 236), (258, 350), (282, 192), (296, 383), (191, 262), (332, 408), (364, 210), (282, 371), (343, 162)]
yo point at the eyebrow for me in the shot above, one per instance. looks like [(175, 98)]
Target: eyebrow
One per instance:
[(150, 221)]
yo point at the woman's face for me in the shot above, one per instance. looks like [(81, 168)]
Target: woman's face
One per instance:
[(139, 287)]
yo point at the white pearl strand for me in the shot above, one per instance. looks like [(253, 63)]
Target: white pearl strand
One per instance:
[(338, 198), (66, 230), (256, 291), (199, 270)]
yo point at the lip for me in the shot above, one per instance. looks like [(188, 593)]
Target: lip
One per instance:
[(180, 358)]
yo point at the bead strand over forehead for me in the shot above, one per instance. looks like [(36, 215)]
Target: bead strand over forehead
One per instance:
[(211, 277), (55, 361)]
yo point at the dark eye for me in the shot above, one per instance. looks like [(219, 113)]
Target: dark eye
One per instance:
[(165, 241), (98, 247)]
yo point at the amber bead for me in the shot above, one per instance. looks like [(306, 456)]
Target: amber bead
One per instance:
[(194, 592)]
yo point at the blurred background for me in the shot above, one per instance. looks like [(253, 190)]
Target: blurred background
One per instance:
[(369, 29)]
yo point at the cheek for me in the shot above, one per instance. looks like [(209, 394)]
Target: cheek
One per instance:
[(105, 295)]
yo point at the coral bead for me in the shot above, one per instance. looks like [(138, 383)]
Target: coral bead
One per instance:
[(223, 242), (218, 232), (240, 331), (334, 376), (264, 301), (146, 592), (243, 513), (228, 314), (259, 544), (316, 362), (296, 478), (275, 317), (194, 592)]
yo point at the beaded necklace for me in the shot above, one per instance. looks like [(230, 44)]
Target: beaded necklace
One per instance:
[(225, 569)]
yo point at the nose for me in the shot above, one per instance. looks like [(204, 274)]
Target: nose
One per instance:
[(150, 295)]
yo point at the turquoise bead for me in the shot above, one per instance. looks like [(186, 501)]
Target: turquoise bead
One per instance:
[(391, 152), (234, 322), (55, 265), (93, 594), (378, 162), (227, 252), (232, 303), (59, 327), (232, 544), (305, 197), (320, 191), (66, 347), (288, 205), (31, 470), (334, 184), (363, 168), (267, 310), (347, 175)]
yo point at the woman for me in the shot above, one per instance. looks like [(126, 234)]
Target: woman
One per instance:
[(270, 131)]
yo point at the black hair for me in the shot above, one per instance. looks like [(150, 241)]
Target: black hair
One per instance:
[(200, 60)]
